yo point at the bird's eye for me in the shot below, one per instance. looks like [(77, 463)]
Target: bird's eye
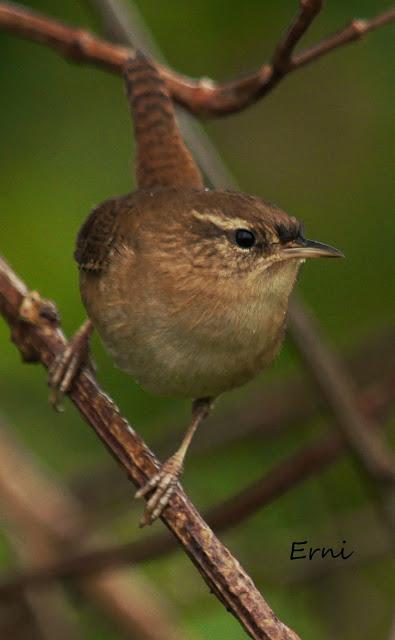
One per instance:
[(244, 238)]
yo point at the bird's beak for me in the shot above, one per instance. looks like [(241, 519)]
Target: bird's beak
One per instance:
[(302, 248)]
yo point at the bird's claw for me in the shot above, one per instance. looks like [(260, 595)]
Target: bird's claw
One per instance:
[(163, 485), (67, 364)]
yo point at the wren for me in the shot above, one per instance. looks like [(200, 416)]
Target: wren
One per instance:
[(188, 288)]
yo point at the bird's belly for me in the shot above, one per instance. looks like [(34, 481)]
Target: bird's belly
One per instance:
[(174, 362), (174, 368), (173, 354)]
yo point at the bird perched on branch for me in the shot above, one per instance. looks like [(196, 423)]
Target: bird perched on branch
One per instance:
[(187, 287)]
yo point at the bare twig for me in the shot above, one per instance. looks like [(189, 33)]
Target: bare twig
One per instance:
[(354, 31), (35, 331), (259, 416), (308, 10), (203, 96), (286, 475)]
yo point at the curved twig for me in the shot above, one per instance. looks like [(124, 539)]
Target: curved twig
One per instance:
[(204, 96)]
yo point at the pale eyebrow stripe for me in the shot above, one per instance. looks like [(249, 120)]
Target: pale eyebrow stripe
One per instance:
[(231, 224), (220, 221)]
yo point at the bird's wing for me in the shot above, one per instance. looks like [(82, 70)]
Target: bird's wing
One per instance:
[(101, 234)]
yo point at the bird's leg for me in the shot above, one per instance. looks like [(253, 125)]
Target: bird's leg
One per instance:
[(68, 363), (164, 482)]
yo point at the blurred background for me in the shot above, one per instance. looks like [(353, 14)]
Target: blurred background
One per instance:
[(321, 146)]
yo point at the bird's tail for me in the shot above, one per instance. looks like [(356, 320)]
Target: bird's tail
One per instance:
[(162, 159)]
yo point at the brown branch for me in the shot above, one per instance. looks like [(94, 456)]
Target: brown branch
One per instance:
[(35, 331), (259, 415), (286, 475), (202, 96), (354, 31), (308, 10)]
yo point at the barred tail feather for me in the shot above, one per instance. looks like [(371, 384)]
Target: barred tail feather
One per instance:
[(162, 158)]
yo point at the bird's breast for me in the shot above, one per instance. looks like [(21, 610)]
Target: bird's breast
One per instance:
[(189, 343)]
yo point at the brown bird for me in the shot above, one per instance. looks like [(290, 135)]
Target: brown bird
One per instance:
[(187, 287)]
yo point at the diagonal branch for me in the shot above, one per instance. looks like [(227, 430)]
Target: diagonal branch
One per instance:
[(264, 413), (285, 475), (35, 331), (354, 31), (204, 96), (308, 10)]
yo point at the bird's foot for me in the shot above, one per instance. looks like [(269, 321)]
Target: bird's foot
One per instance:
[(67, 364), (163, 485)]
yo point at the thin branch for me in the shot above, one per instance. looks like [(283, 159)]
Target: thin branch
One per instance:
[(204, 96), (35, 331), (353, 32), (308, 10), (285, 475), (265, 416)]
